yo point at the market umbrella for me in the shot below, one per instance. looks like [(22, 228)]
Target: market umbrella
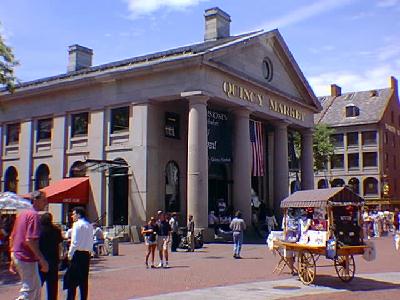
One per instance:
[(9, 200)]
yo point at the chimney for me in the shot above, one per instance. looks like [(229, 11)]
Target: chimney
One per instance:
[(393, 83), (79, 57), (217, 24), (336, 90)]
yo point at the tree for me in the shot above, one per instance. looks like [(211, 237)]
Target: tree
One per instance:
[(7, 64), (322, 146)]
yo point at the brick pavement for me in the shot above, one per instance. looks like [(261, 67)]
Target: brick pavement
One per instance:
[(125, 276)]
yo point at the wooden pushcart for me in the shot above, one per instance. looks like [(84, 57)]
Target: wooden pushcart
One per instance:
[(348, 237)]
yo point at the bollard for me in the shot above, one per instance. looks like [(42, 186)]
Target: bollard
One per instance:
[(114, 247)]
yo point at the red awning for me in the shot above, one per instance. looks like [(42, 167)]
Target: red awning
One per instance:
[(73, 190)]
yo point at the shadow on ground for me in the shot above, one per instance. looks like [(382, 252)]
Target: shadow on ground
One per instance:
[(358, 284), (6, 277)]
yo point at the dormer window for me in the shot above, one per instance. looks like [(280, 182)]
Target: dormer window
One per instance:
[(352, 111)]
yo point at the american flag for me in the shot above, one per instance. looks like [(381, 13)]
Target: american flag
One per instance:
[(256, 134)]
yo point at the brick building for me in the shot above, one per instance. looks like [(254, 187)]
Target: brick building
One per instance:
[(367, 143)]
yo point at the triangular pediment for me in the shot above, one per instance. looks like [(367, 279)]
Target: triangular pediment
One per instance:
[(266, 59)]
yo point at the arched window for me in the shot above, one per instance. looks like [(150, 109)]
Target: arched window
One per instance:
[(11, 181), (172, 201), (370, 186), (323, 184), (42, 177), (354, 185), (77, 169), (337, 182)]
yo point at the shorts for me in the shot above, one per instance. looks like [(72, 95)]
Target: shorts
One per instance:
[(147, 241), (162, 242)]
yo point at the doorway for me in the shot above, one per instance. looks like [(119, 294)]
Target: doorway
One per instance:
[(119, 187)]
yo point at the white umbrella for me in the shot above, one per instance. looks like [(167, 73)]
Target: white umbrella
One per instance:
[(9, 200)]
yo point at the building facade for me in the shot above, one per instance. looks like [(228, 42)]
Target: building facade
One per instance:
[(367, 143), (168, 130)]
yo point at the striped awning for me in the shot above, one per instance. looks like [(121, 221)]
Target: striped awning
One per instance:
[(322, 198)]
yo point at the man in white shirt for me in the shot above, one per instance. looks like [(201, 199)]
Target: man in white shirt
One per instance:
[(79, 255)]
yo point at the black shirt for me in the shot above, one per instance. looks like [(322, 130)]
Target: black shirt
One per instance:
[(50, 238), (151, 236), (163, 228)]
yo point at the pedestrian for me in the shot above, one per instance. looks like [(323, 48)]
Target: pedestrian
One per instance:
[(149, 231), (213, 221), (190, 234), (163, 238), (237, 226), (77, 274), (24, 244), (173, 222), (49, 244), (270, 220), (98, 238)]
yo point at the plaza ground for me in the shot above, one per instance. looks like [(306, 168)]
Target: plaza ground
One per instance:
[(212, 273)]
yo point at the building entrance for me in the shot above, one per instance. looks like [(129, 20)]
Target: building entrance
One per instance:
[(218, 189), (119, 195)]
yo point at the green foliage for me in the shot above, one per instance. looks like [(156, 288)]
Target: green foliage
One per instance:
[(322, 146), (7, 64)]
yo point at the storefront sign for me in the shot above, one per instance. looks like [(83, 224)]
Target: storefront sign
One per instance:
[(285, 110), (233, 90), (219, 136)]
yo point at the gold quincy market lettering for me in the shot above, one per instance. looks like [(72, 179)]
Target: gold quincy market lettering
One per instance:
[(237, 91), (285, 110)]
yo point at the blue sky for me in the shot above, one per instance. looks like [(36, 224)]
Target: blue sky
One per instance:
[(353, 43)]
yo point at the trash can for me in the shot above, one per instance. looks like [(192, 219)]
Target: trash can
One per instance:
[(114, 247)]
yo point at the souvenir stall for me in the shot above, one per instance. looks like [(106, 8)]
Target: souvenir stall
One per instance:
[(324, 222)]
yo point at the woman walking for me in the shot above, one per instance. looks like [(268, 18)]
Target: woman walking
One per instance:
[(49, 244), (237, 226), (149, 232)]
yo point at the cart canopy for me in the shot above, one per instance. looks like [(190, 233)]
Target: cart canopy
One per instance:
[(337, 196)]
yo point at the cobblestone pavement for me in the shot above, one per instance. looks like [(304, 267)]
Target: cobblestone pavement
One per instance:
[(212, 273)]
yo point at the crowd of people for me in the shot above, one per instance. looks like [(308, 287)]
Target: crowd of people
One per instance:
[(379, 223), (36, 244)]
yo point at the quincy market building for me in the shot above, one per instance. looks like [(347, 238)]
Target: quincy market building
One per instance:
[(168, 130)]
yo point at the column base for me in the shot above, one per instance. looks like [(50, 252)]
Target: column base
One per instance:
[(208, 234)]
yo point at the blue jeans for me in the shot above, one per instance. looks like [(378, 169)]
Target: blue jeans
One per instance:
[(237, 242)]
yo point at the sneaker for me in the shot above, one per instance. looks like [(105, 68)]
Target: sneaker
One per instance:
[(152, 266), (147, 265), (234, 256), (166, 265), (160, 265)]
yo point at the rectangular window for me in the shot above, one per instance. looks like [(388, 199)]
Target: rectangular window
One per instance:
[(369, 138), (171, 128), (79, 124), (12, 134), (120, 119), (44, 130), (337, 140), (337, 161), (352, 139), (352, 159), (370, 159)]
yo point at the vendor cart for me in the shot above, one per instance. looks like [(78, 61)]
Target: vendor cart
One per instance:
[(333, 217)]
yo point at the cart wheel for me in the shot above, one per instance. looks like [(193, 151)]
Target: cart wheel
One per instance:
[(306, 267), (345, 267)]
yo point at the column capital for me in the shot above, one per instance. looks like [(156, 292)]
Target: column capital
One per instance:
[(241, 111), (307, 131), (196, 97), (281, 124)]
